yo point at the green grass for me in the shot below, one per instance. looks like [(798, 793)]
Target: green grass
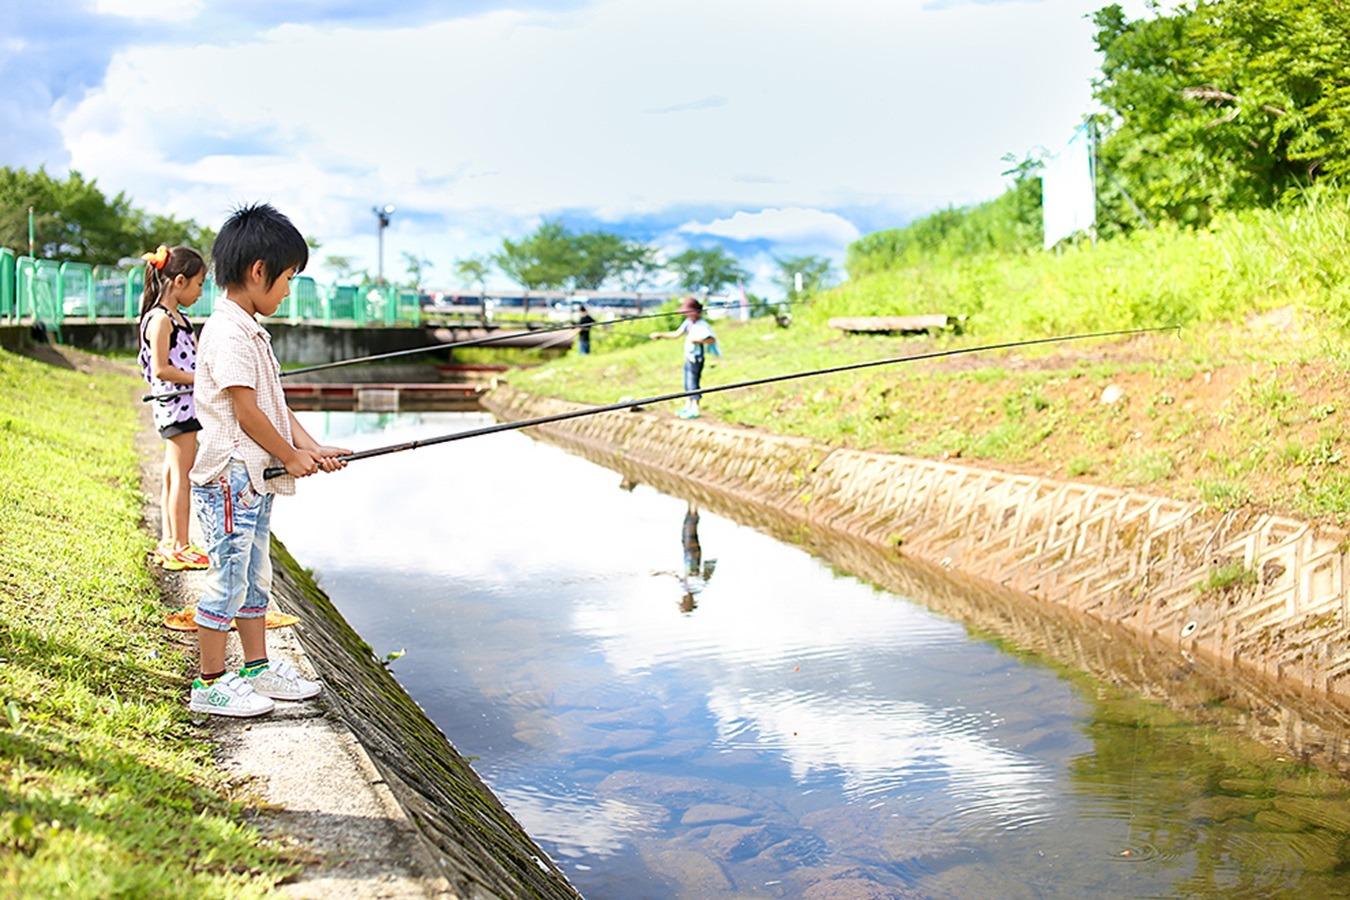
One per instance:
[(1229, 576), (106, 787)]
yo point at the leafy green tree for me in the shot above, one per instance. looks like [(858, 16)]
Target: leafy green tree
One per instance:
[(416, 267), (75, 220), (1221, 104), (474, 269), (543, 260), (598, 256), (636, 265), (711, 269), (816, 272), (343, 267)]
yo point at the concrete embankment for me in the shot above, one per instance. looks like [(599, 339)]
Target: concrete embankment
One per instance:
[(1263, 592)]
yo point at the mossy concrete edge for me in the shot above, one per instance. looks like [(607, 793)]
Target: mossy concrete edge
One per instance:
[(482, 851)]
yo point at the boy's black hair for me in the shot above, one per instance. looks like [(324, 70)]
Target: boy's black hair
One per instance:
[(257, 232)]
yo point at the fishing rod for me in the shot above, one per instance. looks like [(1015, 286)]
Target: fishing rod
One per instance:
[(274, 471), (470, 342)]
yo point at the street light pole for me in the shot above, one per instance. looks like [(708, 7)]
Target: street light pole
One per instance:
[(382, 213)]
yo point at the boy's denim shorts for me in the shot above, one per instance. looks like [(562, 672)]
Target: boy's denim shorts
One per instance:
[(236, 525)]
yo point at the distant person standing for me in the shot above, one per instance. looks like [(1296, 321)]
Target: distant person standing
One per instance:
[(584, 323), (698, 339)]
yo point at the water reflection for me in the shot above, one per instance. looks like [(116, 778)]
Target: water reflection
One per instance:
[(696, 572), (801, 732)]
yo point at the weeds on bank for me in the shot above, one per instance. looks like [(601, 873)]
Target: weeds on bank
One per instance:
[(106, 787)]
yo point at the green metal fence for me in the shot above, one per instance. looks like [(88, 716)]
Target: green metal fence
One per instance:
[(305, 301), (53, 292), (109, 292), (39, 290), (135, 288), (7, 310), (77, 290), (206, 303)]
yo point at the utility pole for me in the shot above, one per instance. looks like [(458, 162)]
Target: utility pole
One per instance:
[(382, 213)]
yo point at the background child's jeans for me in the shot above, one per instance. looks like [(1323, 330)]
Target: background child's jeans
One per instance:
[(237, 526), (693, 375)]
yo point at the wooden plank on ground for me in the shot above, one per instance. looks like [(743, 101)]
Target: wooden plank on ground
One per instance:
[(893, 324)]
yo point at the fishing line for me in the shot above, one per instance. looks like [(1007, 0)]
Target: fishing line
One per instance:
[(475, 342), (274, 471)]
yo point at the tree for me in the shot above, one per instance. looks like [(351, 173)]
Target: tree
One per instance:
[(416, 267), (637, 263), (1221, 104), (474, 269), (543, 260), (598, 256), (706, 270), (816, 272), (74, 220), (343, 267)]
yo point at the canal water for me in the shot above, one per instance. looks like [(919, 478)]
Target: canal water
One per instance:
[(677, 705)]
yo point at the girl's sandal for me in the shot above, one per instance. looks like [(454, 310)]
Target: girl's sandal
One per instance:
[(179, 560)]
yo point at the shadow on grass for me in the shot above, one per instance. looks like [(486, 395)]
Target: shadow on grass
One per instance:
[(154, 823)]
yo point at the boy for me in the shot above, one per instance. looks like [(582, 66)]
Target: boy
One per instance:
[(246, 427), (698, 334)]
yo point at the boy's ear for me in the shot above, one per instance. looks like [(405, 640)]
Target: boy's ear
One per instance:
[(258, 271)]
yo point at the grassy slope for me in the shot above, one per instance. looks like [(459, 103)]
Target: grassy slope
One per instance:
[(106, 787), (1247, 405)]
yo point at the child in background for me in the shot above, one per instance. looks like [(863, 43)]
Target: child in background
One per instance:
[(246, 427), (698, 338), (173, 280)]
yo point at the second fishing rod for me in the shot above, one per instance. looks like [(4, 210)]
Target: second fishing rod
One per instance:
[(473, 342), (275, 471)]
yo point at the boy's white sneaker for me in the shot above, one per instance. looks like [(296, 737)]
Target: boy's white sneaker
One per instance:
[(281, 681), (228, 695)]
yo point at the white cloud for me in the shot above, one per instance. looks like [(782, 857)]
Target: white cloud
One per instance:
[(492, 120), (177, 11), (793, 225)]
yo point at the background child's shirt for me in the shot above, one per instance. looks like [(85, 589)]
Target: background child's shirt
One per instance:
[(235, 351), (695, 331), (182, 355)]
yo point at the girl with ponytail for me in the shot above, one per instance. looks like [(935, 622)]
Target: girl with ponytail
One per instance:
[(173, 279)]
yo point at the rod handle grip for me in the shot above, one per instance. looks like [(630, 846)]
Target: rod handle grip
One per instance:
[(274, 472)]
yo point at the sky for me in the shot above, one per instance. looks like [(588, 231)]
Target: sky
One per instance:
[(771, 129)]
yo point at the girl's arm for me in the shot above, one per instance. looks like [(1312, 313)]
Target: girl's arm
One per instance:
[(160, 332)]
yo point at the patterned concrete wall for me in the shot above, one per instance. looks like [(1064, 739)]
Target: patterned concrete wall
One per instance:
[(1123, 557)]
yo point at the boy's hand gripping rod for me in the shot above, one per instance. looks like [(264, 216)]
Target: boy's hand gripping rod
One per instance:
[(470, 342), (274, 471)]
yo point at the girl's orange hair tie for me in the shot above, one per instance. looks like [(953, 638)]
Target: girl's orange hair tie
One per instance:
[(158, 259)]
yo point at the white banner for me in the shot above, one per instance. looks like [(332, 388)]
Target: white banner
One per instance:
[(1069, 188)]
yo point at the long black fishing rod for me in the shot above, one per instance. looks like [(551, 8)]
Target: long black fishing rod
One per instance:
[(274, 471), (470, 342)]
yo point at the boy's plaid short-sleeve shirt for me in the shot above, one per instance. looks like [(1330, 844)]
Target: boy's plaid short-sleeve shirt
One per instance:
[(235, 351)]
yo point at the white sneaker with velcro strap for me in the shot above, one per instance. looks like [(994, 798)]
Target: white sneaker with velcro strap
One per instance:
[(228, 695), (281, 681)]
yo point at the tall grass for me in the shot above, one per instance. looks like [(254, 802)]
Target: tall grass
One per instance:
[(1243, 263)]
